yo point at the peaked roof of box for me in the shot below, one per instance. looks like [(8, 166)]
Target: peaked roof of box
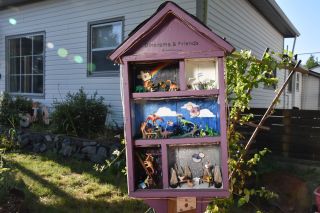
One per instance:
[(166, 11)]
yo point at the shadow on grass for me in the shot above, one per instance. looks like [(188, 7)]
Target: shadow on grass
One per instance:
[(77, 166), (68, 203)]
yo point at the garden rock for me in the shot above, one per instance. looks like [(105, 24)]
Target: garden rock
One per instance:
[(69, 147), (48, 138), (100, 156)]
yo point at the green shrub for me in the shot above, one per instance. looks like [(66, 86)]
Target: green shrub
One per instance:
[(11, 107), (80, 115)]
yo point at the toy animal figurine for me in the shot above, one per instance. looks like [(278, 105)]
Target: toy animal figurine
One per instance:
[(139, 88), (190, 183), (162, 86), (153, 118), (147, 133), (149, 182), (217, 177), (174, 182), (165, 133), (172, 86), (147, 83), (148, 163), (207, 175), (143, 130)]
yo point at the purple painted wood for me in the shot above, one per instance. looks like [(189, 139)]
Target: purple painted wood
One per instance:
[(210, 140), (223, 125), (128, 130), (169, 11), (167, 193), (186, 93), (168, 56), (182, 76), (160, 205), (165, 169)]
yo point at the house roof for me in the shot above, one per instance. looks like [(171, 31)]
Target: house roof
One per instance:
[(274, 14), (268, 8), (313, 73), (166, 11)]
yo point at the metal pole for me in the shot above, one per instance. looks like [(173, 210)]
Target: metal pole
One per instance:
[(266, 114)]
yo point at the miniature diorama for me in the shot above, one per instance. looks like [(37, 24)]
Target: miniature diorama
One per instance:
[(148, 168), (156, 77), (194, 167), (201, 74), (177, 118), (174, 109)]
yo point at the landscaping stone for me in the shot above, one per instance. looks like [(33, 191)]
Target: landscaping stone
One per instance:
[(48, 138), (100, 156), (70, 147)]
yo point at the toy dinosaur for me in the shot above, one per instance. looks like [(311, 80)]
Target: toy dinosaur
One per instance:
[(153, 118), (148, 163), (139, 88)]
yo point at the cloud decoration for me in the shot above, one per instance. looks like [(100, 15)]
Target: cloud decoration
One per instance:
[(165, 111), (205, 113), (189, 105)]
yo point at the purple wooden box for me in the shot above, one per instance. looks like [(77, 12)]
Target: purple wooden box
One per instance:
[(172, 34)]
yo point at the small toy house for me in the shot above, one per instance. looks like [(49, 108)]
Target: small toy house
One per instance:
[(174, 103)]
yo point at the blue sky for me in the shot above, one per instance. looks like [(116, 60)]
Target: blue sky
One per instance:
[(305, 16)]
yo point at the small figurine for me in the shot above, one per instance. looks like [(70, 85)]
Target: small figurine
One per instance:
[(217, 177), (207, 175), (172, 86), (147, 133), (148, 163), (173, 179), (163, 87), (153, 118), (139, 89), (147, 83)]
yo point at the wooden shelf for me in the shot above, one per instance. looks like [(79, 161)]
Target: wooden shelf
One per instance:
[(185, 93), (156, 193), (177, 141)]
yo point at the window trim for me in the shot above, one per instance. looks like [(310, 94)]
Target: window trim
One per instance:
[(103, 22), (7, 61)]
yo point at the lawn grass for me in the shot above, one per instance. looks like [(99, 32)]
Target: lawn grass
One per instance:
[(54, 184)]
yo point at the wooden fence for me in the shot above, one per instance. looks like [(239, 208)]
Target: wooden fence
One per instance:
[(293, 133)]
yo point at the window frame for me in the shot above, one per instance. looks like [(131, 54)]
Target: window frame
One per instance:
[(104, 22), (297, 82), (7, 64)]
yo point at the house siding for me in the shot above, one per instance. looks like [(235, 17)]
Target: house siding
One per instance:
[(65, 24), (311, 92), (245, 28)]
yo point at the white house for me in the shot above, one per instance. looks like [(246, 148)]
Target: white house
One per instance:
[(311, 90), (51, 47)]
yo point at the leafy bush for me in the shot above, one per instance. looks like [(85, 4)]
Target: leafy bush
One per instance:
[(80, 115), (11, 107)]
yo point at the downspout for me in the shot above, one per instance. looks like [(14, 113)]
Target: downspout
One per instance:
[(201, 10), (294, 77)]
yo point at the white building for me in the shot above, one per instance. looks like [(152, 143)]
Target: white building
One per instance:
[(51, 47)]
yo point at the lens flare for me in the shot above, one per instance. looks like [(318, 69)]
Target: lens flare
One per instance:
[(91, 67), (62, 52), (78, 59), (12, 21), (50, 45)]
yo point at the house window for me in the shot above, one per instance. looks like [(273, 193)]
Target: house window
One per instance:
[(25, 64), (297, 82), (104, 37)]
